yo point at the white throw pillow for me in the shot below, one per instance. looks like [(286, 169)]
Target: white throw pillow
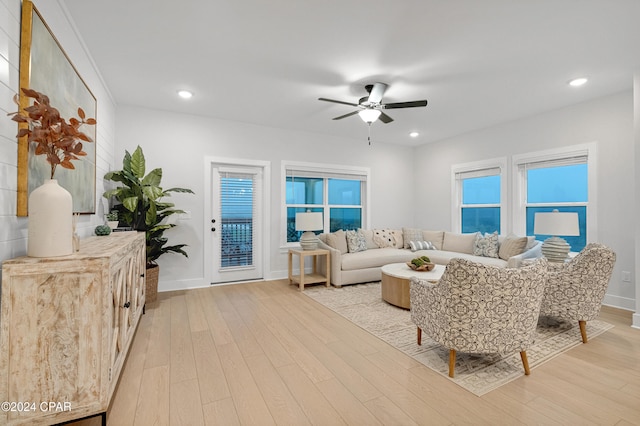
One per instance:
[(459, 243), (384, 238)]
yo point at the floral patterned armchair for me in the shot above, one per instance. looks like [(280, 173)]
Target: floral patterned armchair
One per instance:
[(575, 289), (478, 308)]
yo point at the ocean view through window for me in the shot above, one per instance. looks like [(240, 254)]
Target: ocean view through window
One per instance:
[(478, 191), (564, 188), (339, 194)]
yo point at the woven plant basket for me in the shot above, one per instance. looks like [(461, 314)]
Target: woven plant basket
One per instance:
[(152, 283)]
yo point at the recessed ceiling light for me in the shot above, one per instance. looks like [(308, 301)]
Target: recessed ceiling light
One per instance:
[(577, 82), (185, 94), (414, 134)]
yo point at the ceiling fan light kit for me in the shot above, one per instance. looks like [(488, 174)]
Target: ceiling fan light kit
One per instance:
[(369, 115)]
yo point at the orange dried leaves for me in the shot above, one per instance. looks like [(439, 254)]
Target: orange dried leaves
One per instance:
[(59, 141)]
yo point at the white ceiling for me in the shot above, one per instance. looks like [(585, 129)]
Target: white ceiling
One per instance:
[(479, 63)]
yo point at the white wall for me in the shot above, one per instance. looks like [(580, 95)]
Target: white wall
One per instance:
[(13, 230), (607, 121), (178, 144)]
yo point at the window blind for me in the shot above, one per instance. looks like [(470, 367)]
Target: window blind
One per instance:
[(476, 173), (321, 174)]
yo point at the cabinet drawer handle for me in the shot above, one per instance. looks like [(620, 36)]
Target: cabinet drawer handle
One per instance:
[(141, 275), (126, 305)]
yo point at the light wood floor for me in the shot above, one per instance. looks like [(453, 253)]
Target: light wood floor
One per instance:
[(263, 354)]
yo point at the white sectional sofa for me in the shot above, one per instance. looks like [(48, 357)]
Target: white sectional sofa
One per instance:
[(357, 256)]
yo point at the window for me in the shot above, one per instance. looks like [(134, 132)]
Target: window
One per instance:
[(478, 194), (340, 194), (562, 180)]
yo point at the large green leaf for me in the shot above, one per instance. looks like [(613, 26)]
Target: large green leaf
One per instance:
[(130, 203), (152, 192), (151, 216), (138, 163), (126, 161), (153, 178), (185, 190)]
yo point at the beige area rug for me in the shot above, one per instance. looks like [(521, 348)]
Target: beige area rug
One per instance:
[(362, 304)]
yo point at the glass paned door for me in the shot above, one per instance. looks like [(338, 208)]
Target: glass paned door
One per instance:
[(236, 230)]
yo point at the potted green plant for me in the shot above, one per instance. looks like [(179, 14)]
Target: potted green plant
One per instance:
[(142, 206), (112, 219)]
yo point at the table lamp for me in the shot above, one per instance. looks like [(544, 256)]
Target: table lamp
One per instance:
[(309, 222), (556, 223)]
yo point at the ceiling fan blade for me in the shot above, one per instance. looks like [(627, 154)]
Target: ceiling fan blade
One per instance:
[(411, 104), (346, 115), (377, 91), (385, 118), (337, 102)]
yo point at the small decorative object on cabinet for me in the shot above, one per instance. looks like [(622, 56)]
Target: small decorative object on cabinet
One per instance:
[(66, 326), (50, 226), (112, 219)]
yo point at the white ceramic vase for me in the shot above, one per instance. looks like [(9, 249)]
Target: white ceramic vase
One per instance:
[(50, 227)]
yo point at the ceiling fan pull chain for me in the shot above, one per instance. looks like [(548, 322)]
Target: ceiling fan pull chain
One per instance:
[(369, 137)]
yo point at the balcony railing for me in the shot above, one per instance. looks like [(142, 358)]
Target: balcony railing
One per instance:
[(237, 243)]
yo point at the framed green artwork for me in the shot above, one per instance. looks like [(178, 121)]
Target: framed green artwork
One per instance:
[(45, 67)]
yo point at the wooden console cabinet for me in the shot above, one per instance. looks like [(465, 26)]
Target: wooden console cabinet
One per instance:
[(66, 325)]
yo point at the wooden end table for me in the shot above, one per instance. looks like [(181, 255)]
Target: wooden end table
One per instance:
[(314, 276), (396, 280)]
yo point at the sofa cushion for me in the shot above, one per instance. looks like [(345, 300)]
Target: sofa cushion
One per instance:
[(384, 238), (375, 258), (338, 241), (486, 245), (435, 237), (512, 246), (355, 241), (368, 238), (461, 243), (411, 234), (397, 234)]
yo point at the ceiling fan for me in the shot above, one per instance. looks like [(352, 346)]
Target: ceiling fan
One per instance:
[(370, 107)]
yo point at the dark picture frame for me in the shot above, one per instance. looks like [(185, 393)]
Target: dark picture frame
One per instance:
[(45, 67)]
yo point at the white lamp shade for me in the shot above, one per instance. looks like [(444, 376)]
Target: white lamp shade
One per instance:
[(369, 115), (309, 221), (557, 224)]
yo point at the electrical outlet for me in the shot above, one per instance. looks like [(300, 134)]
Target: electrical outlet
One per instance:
[(626, 276)]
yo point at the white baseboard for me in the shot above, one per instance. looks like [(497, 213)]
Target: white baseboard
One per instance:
[(620, 302), (635, 323), (174, 285)]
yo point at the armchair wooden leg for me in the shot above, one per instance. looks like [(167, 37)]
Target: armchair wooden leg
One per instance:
[(452, 362), (419, 336), (525, 363), (583, 330)]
